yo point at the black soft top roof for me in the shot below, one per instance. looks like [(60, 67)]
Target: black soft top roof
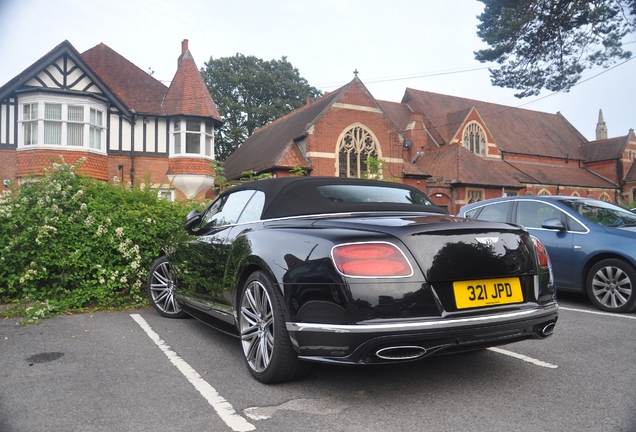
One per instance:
[(296, 196)]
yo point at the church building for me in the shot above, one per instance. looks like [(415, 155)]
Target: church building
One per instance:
[(456, 150)]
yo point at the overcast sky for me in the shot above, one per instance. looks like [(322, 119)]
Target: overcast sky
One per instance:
[(394, 44)]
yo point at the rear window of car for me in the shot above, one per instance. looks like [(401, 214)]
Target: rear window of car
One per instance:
[(495, 212), (372, 194)]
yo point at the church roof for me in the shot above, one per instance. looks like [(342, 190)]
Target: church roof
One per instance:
[(607, 149), (515, 130), (458, 165), (263, 150)]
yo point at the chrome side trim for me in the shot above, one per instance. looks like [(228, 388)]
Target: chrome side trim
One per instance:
[(421, 325)]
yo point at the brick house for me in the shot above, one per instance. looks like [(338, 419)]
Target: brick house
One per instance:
[(126, 124), (457, 150)]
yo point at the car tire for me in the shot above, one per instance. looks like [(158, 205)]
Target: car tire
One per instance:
[(611, 285), (267, 348), (161, 290)]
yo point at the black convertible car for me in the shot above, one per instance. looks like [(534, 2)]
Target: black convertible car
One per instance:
[(317, 269)]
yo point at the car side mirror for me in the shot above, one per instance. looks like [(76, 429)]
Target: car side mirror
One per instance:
[(192, 219), (553, 224)]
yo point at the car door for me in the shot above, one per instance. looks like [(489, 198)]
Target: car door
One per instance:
[(558, 242), (199, 258)]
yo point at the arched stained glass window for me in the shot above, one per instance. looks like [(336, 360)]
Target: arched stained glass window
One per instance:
[(475, 139), (605, 197), (355, 146)]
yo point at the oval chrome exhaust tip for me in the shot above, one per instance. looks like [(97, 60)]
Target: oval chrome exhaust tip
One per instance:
[(401, 352), (548, 330)]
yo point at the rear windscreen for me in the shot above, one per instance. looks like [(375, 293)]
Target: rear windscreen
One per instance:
[(372, 194)]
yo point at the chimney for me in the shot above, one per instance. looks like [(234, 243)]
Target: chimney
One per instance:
[(307, 101), (184, 46)]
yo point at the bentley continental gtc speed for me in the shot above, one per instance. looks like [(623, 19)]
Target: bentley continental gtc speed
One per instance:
[(350, 271)]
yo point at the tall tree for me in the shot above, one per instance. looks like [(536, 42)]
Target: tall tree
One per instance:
[(549, 43), (249, 93)]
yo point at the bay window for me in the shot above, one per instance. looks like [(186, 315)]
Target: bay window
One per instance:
[(61, 121), (75, 126), (30, 123), (197, 136), (52, 124), (95, 129)]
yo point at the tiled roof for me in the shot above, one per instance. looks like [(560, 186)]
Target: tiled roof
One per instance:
[(263, 149), (456, 164), (398, 112), (631, 173), (292, 157), (188, 94), (563, 175), (133, 86), (411, 170), (612, 148), (515, 130)]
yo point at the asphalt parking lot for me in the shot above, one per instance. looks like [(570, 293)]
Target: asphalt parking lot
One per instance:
[(136, 371)]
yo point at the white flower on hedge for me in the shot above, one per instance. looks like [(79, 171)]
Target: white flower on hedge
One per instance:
[(119, 231)]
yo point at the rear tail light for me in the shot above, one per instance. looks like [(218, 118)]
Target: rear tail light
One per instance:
[(371, 260), (542, 253)]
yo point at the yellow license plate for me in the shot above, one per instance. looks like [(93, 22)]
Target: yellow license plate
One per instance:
[(487, 292)]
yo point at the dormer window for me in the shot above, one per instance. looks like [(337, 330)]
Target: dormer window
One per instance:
[(197, 136), (475, 139)]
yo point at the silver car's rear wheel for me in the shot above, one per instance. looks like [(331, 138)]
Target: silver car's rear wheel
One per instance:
[(161, 286), (611, 284), (267, 348)]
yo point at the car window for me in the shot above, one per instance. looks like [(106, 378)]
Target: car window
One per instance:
[(495, 212), (602, 213), (227, 209), (531, 214), (574, 225), (253, 209), (373, 194), (472, 213)]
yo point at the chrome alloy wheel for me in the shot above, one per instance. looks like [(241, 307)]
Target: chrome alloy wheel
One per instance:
[(612, 287), (161, 290), (257, 326)]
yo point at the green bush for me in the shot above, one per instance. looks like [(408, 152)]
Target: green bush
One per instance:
[(72, 242)]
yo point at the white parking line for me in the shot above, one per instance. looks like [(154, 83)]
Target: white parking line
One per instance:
[(610, 314), (223, 408), (523, 357)]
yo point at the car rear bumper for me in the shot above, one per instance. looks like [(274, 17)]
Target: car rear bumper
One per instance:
[(401, 341)]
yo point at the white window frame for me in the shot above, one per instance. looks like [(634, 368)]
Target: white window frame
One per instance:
[(41, 101), (181, 129)]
